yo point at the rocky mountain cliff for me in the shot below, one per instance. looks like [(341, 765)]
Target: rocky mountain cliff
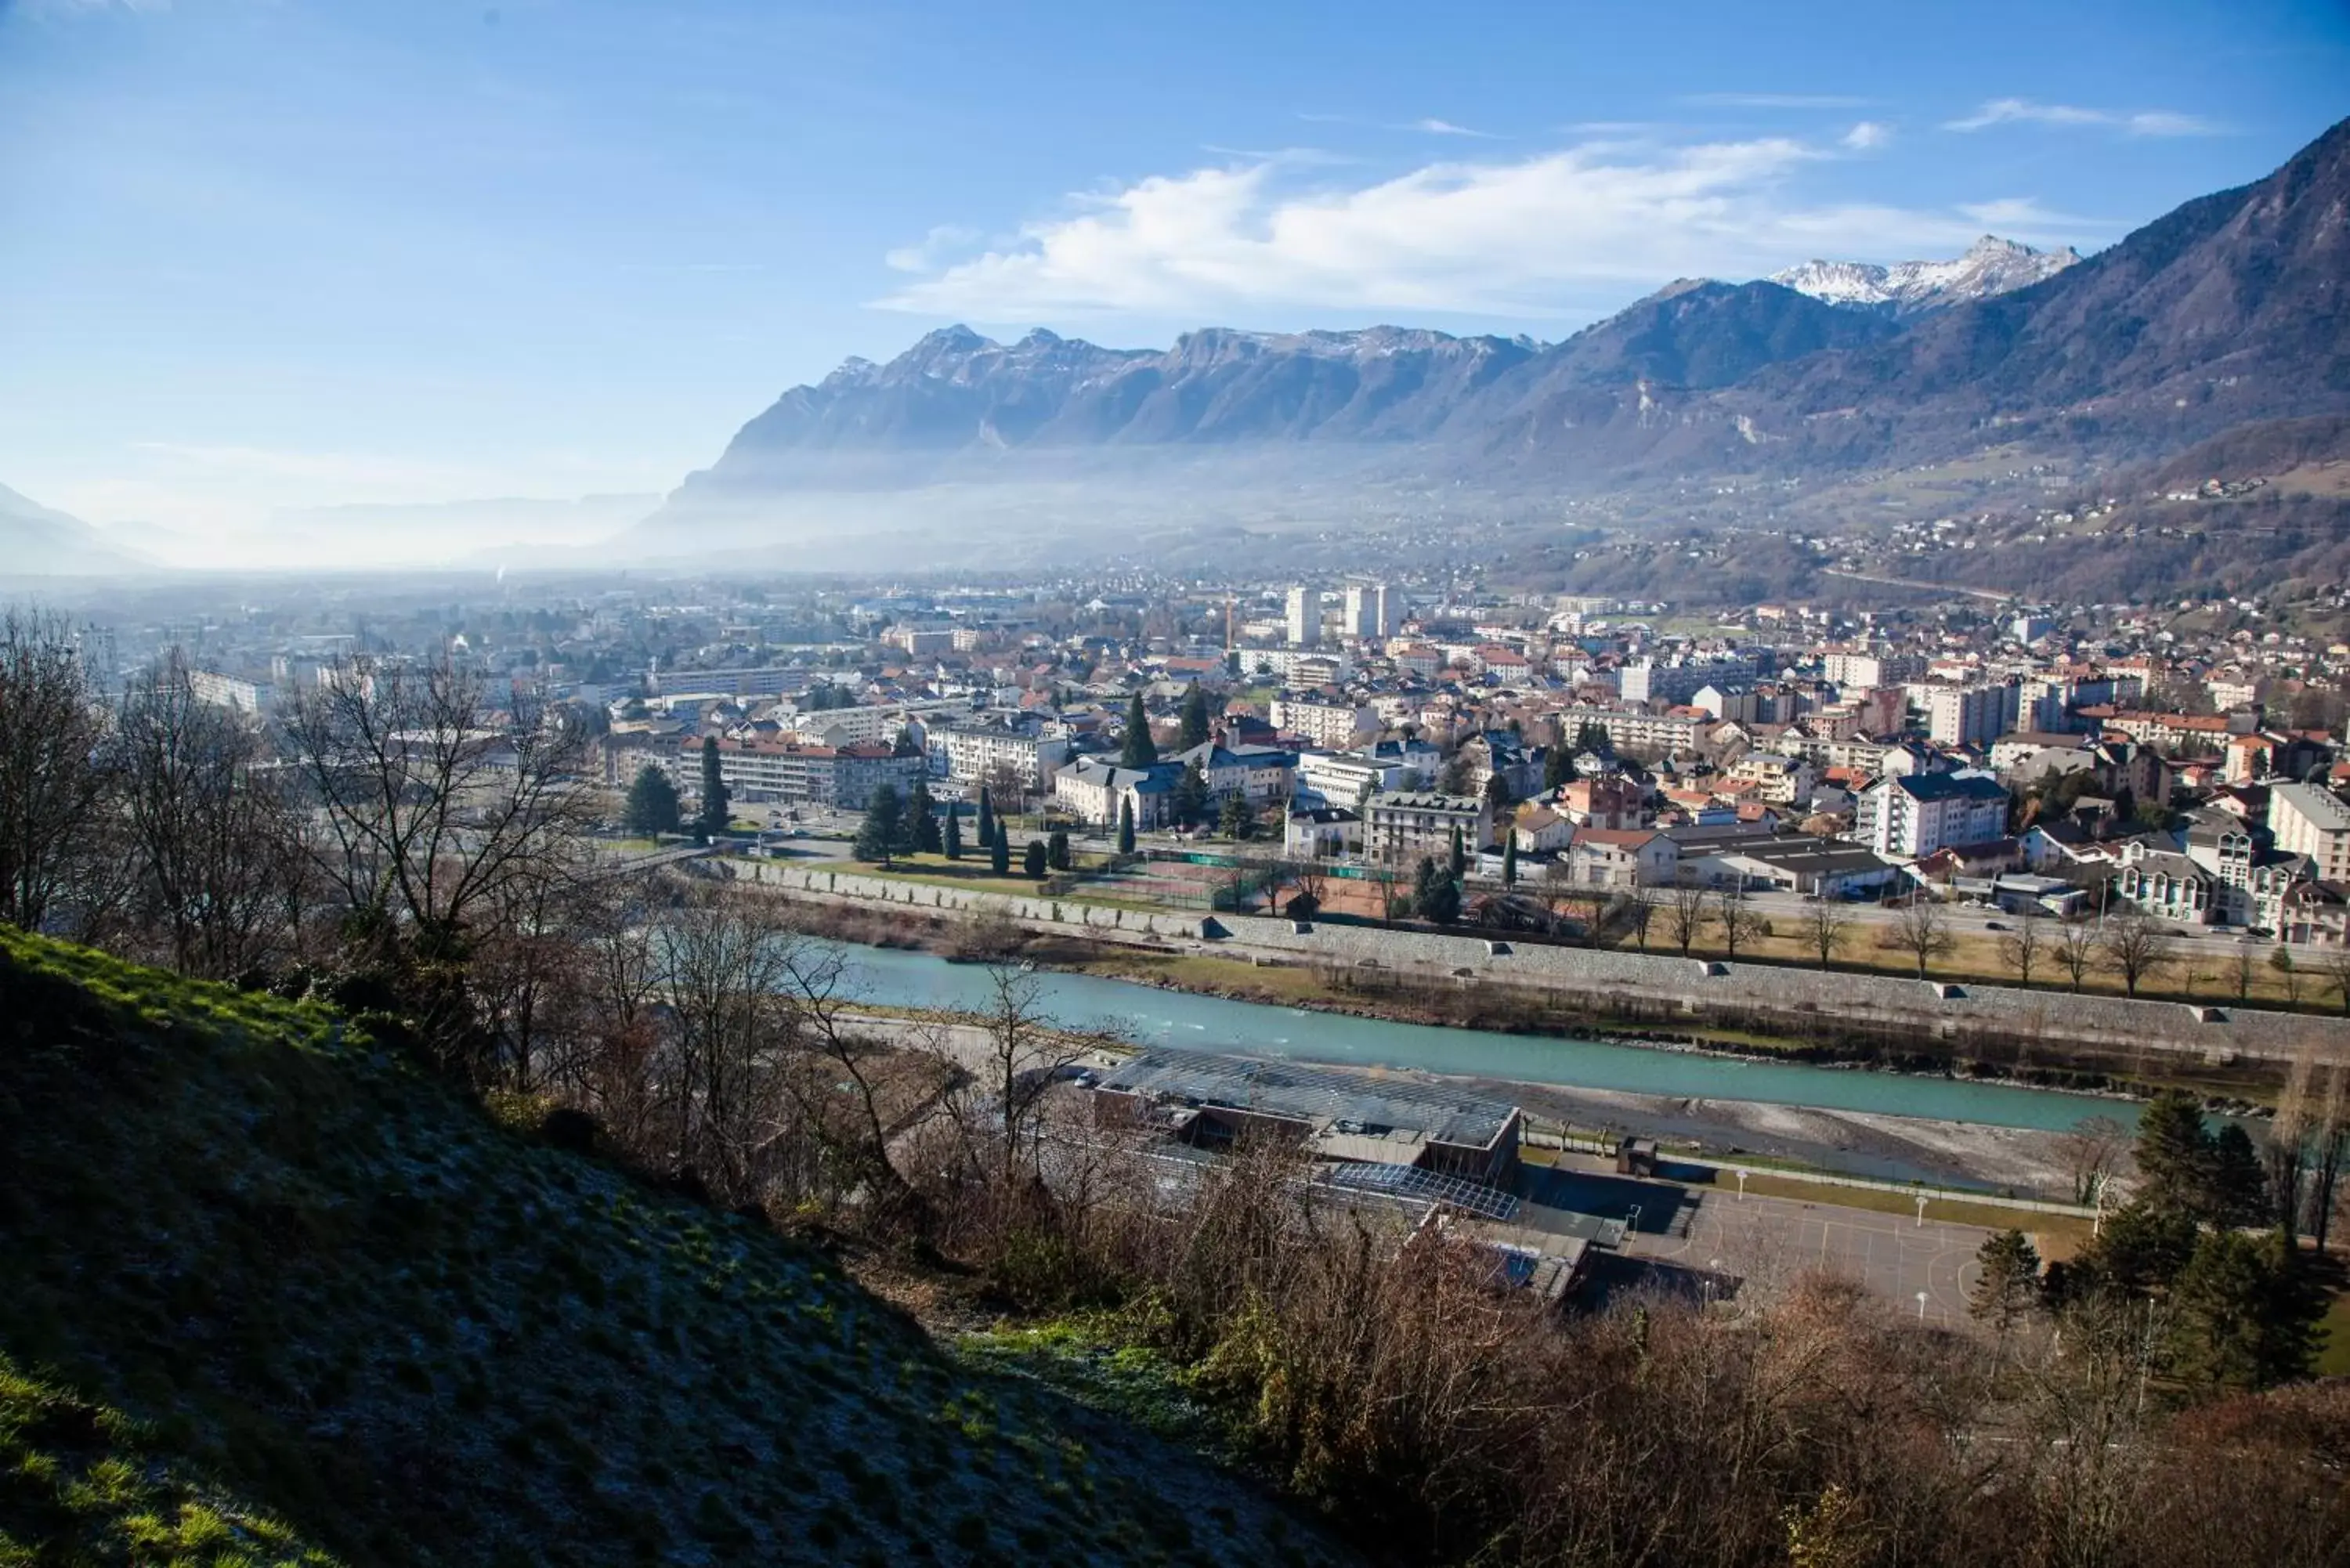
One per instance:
[(1990, 266)]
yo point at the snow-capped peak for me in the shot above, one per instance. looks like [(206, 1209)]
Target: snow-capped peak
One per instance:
[(1990, 266)]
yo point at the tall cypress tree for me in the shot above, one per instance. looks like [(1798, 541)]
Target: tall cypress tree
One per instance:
[(999, 852), (1125, 824), (1139, 750), (1510, 860), (920, 835), (715, 818), (953, 838), (1195, 717), (1460, 855), (986, 819)]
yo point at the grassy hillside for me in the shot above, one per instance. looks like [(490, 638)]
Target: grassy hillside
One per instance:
[(271, 1290)]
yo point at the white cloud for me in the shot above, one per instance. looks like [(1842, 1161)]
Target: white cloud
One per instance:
[(1868, 133), (1563, 234), (2024, 111), (1435, 126)]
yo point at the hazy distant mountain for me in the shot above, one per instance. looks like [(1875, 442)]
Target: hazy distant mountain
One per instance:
[(38, 541), (2228, 309), (1990, 266)]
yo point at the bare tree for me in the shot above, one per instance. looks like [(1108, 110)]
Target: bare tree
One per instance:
[(1921, 929), (2333, 962), (2134, 947), (723, 971), (2241, 970), (1006, 787), (53, 783), (2076, 949), (1740, 921), (1641, 913), (2022, 948), (1024, 1051), (2288, 1152), (433, 806), (215, 844), (1685, 914), (1826, 927), (2288, 973), (2092, 1152), (2330, 1150), (855, 1101)]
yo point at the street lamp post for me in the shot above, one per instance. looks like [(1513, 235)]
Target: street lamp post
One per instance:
[(1921, 1306), (1921, 1210)]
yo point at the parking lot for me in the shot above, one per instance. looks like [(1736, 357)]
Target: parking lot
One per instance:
[(1703, 1242)]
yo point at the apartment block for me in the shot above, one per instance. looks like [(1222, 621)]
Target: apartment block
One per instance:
[(2307, 819)]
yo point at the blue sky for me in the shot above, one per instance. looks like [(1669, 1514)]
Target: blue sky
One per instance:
[(258, 254)]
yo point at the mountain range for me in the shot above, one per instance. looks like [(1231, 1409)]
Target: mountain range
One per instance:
[(2227, 310), (40, 541)]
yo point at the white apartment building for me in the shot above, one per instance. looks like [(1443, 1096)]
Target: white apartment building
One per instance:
[(1863, 671), (228, 691), (1340, 778), (1646, 680), (2307, 819), (1332, 725), (1404, 828), (1304, 617), (1967, 715), (1908, 817), (1299, 665), (1663, 732), (1372, 609), (974, 754)]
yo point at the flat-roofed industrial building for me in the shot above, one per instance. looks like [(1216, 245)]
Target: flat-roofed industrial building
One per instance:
[(1210, 1099)]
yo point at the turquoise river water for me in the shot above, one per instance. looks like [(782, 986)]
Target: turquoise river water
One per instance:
[(1156, 1017)]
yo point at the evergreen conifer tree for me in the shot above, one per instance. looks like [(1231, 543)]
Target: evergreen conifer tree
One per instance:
[(921, 835), (652, 806), (1435, 896), (877, 837), (714, 800), (1460, 853), (1139, 750), (1509, 860), (986, 819), (1191, 797), (1056, 850), (1195, 718), (1126, 825), (1234, 821), (953, 839), (1032, 860), (2010, 1281), (999, 852), (1558, 767)]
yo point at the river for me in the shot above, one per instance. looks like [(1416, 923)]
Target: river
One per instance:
[(1154, 1017)]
